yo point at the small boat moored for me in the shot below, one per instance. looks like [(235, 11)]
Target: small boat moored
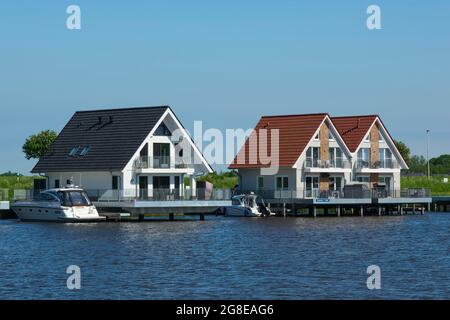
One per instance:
[(69, 204), (247, 205)]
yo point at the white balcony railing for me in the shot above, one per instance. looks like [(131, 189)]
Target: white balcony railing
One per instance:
[(158, 162), (381, 164), (338, 163)]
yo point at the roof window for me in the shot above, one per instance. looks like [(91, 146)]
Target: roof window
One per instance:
[(74, 151), (85, 151)]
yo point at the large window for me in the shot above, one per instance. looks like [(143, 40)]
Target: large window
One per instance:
[(336, 159), (311, 186), (335, 183), (385, 158), (161, 155), (312, 157), (282, 183), (364, 157)]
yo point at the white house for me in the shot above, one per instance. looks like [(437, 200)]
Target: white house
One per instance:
[(319, 155), (129, 152)]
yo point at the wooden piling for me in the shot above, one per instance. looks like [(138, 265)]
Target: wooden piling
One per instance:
[(361, 211), (171, 217), (202, 216)]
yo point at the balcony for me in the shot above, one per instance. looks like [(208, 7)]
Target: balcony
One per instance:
[(158, 162), (386, 164), (311, 165)]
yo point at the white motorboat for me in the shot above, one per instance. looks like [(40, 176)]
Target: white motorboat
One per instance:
[(247, 205), (69, 204)]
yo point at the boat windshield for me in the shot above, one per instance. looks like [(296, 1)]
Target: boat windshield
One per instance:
[(73, 198)]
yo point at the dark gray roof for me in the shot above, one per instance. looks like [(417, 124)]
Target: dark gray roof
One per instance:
[(113, 136)]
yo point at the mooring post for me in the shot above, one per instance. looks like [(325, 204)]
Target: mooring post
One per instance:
[(339, 211), (171, 216), (315, 211), (362, 211), (429, 206), (401, 210), (398, 210), (141, 217), (284, 209), (202, 216), (379, 211), (423, 210), (414, 209)]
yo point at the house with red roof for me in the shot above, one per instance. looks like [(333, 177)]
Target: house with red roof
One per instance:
[(316, 155)]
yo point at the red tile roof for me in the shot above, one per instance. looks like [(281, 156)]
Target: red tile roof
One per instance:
[(295, 132), (353, 129)]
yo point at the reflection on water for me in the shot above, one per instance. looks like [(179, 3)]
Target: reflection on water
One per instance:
[(226, 258)]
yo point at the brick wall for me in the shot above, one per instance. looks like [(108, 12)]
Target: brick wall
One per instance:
[(324, 142), (374, 151), (324, 180)]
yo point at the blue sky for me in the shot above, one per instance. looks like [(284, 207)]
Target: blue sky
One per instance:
[(226, 63)]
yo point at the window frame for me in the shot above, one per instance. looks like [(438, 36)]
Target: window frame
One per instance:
[(284, 178)]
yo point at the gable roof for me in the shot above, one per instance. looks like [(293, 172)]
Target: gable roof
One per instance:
[(353, 129), (113, 136), (295, 132)]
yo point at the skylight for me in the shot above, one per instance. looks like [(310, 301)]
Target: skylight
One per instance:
[(85, 151), (74, 151)]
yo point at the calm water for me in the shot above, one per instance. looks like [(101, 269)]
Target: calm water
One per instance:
[(225, 258)]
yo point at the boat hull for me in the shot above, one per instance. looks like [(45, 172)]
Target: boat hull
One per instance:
[(35, 213), (237, 211)]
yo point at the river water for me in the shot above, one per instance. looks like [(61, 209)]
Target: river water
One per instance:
[(229, 258)]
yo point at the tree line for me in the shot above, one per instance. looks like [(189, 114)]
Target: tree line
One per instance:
[(418, 164)]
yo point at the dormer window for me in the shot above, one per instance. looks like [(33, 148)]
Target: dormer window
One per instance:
[(85, 151), (74, 151)]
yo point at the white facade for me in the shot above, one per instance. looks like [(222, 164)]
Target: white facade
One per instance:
[(145, 172), (311, 175)]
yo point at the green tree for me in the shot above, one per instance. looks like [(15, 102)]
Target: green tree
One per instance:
[(404, 150), (441, 164), (418, 164), (37, 145)]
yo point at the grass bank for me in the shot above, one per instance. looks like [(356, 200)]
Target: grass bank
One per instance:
[(435, 183), (10, 183)]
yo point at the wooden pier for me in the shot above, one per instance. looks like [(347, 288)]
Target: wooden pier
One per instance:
[(349, 207), (139, 211), (441, 204)]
